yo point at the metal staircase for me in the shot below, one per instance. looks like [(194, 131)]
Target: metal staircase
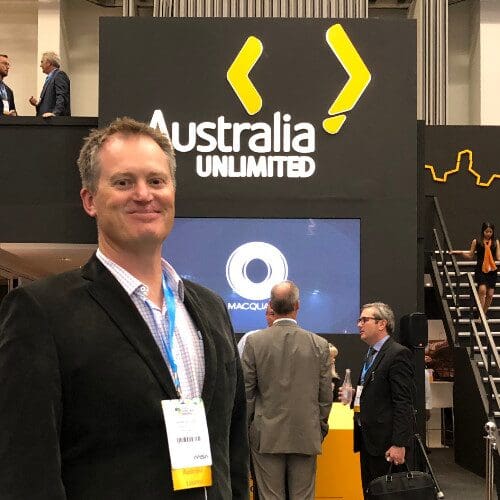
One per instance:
[(464, 321)]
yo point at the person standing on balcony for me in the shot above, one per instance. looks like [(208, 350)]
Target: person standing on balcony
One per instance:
[(7, 106), (55, 96), (487, 249)]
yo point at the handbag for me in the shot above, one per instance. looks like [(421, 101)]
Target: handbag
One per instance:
[(409, 485)]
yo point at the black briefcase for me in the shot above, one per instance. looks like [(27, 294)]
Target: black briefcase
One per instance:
[(409, 485)]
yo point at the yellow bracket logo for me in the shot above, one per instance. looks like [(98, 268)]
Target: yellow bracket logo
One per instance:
[(470, 167), (359, 78), (237, 75)]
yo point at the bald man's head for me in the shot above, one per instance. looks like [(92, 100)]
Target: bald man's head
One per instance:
[(285, 299)]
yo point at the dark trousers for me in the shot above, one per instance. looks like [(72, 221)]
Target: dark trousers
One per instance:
[(255, 489), (374, 466)]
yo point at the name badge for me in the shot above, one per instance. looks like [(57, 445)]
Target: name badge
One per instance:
[(188, 442), (357, 399), (5, 106)]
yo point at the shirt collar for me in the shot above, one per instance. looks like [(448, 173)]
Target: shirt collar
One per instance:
[(132, 285), (276, 321), (378, 345)]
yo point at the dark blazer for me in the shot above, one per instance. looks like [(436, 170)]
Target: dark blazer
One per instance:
[(55, 97), (81, 381), (386, 401), (10, 98)]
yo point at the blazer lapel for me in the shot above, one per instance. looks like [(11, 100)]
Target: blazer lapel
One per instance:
[(47, 83), (376, 362), (110, 295), (195, 309)]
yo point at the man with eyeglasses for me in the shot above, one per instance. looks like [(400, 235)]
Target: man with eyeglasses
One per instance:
[(383, 400), (7, 106)]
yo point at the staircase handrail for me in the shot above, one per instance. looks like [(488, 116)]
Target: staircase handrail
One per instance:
[(491, 348), (448, 250), (442, 255)]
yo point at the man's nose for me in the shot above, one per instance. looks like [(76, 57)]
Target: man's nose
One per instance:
[(142, 191)]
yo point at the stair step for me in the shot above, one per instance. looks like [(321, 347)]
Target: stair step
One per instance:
[(481, 334), (467, 308), (495, 379), (467, 296), (476, 349), (490, 320), (462, 284), (481, 364)]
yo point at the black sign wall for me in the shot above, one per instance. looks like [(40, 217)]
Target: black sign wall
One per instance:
[(462, 168), (260, 147)]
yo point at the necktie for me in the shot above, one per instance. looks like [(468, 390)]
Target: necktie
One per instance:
[(368, 363), (369, 356)]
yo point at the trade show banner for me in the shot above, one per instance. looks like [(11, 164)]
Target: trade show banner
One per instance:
[(281, 119), (300, 108)]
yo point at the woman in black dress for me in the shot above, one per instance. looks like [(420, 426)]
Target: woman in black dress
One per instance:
[(487, 249)]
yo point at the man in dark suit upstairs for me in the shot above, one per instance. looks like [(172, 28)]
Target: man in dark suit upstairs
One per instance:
[(7, 106), (383, 399), (120, 380), (55, 98), (289, 397)]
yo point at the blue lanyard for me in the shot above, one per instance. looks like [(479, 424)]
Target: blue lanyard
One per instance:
[(170, 301), (366, 368), (167, 346)]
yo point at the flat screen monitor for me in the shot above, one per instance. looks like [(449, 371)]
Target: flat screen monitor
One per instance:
[(242, 258)]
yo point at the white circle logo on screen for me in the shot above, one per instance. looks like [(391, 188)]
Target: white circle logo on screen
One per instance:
[(237, 264)]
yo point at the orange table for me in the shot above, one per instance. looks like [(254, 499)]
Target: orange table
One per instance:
[(338, 473)]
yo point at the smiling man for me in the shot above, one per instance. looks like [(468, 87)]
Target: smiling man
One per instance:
[(119, 380), (383, 408)]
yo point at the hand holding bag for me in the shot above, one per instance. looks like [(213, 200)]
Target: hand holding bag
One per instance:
[(409, 485)]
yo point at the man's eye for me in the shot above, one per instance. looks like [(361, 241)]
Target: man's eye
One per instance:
[(121, 183), (157, 181)]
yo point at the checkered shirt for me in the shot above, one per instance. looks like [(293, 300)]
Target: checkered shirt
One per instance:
[(188, 344)]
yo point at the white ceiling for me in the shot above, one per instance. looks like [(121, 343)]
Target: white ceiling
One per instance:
[(42, 259)]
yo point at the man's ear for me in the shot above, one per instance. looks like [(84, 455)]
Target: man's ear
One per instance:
[(88, 202)]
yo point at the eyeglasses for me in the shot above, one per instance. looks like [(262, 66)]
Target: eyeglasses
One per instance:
[(365, 319)]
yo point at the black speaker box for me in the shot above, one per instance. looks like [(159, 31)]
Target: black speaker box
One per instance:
[(413, 330)]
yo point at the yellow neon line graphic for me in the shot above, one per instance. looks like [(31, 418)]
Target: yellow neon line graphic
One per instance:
[(237, 75), (359, 77), (470, 168)]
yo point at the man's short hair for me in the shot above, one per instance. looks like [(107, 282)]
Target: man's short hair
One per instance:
[(383, 311), (284, 303), (52, 58), (88, 161)]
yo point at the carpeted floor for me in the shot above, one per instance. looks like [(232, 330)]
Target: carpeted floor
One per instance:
[(455, 482)]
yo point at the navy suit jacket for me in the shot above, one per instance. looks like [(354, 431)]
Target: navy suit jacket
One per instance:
[(387, 401), (10, 98), (55, 97), (81, 381)]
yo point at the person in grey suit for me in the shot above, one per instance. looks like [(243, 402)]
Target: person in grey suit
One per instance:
[(289, 397), (55, 98), (89, 358)]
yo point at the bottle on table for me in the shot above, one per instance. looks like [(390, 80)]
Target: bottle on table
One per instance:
[(346, 390)]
